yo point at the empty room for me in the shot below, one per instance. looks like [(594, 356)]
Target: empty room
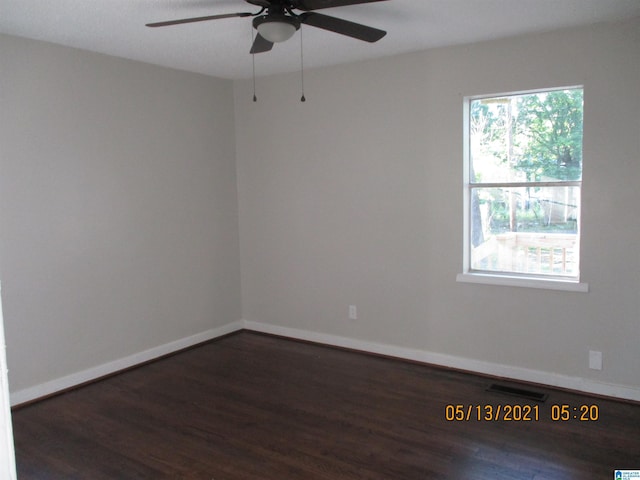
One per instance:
[(320, 239)]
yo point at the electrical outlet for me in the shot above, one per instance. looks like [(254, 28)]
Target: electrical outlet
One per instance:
[(595, 360), (353, 312)]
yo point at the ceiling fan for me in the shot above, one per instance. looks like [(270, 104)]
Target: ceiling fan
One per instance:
[(276, 21)]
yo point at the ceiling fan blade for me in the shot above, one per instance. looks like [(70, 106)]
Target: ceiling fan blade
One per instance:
[(343, 27), (199, 19), (318, 4), (261, 45)]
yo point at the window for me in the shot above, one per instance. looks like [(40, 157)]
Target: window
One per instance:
[(523, 175)]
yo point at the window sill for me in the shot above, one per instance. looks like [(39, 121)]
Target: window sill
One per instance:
[(526, 282)]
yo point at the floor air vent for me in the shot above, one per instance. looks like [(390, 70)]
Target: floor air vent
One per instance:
[(517, 392)]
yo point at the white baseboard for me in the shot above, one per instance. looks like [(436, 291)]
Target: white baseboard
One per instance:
[(477, 366), (506, 371), (59, 384)]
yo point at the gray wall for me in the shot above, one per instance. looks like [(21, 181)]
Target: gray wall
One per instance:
[(355, 197), (118, 208)]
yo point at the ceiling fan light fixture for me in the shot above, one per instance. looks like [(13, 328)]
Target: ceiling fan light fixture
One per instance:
[(275, 27)]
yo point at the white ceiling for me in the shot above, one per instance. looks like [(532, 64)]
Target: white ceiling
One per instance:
[(221, 47)]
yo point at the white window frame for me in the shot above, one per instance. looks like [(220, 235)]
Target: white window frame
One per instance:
[(501, 278)]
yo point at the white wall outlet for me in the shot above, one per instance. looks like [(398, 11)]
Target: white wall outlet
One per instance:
[(353, 312), (595, 360)]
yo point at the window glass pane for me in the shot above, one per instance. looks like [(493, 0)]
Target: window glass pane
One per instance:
[(530, 230), (535, 137)]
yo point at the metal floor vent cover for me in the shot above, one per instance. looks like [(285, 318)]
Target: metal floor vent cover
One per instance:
[(517, 392)]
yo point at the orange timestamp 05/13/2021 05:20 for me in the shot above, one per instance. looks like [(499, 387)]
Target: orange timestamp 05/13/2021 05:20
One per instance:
[(520, 413)]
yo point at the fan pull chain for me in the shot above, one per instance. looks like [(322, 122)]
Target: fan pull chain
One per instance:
[(253, 62), (302, 99), (253, 59)]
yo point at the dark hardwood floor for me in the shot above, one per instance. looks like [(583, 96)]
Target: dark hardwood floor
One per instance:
[(251, 406)]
